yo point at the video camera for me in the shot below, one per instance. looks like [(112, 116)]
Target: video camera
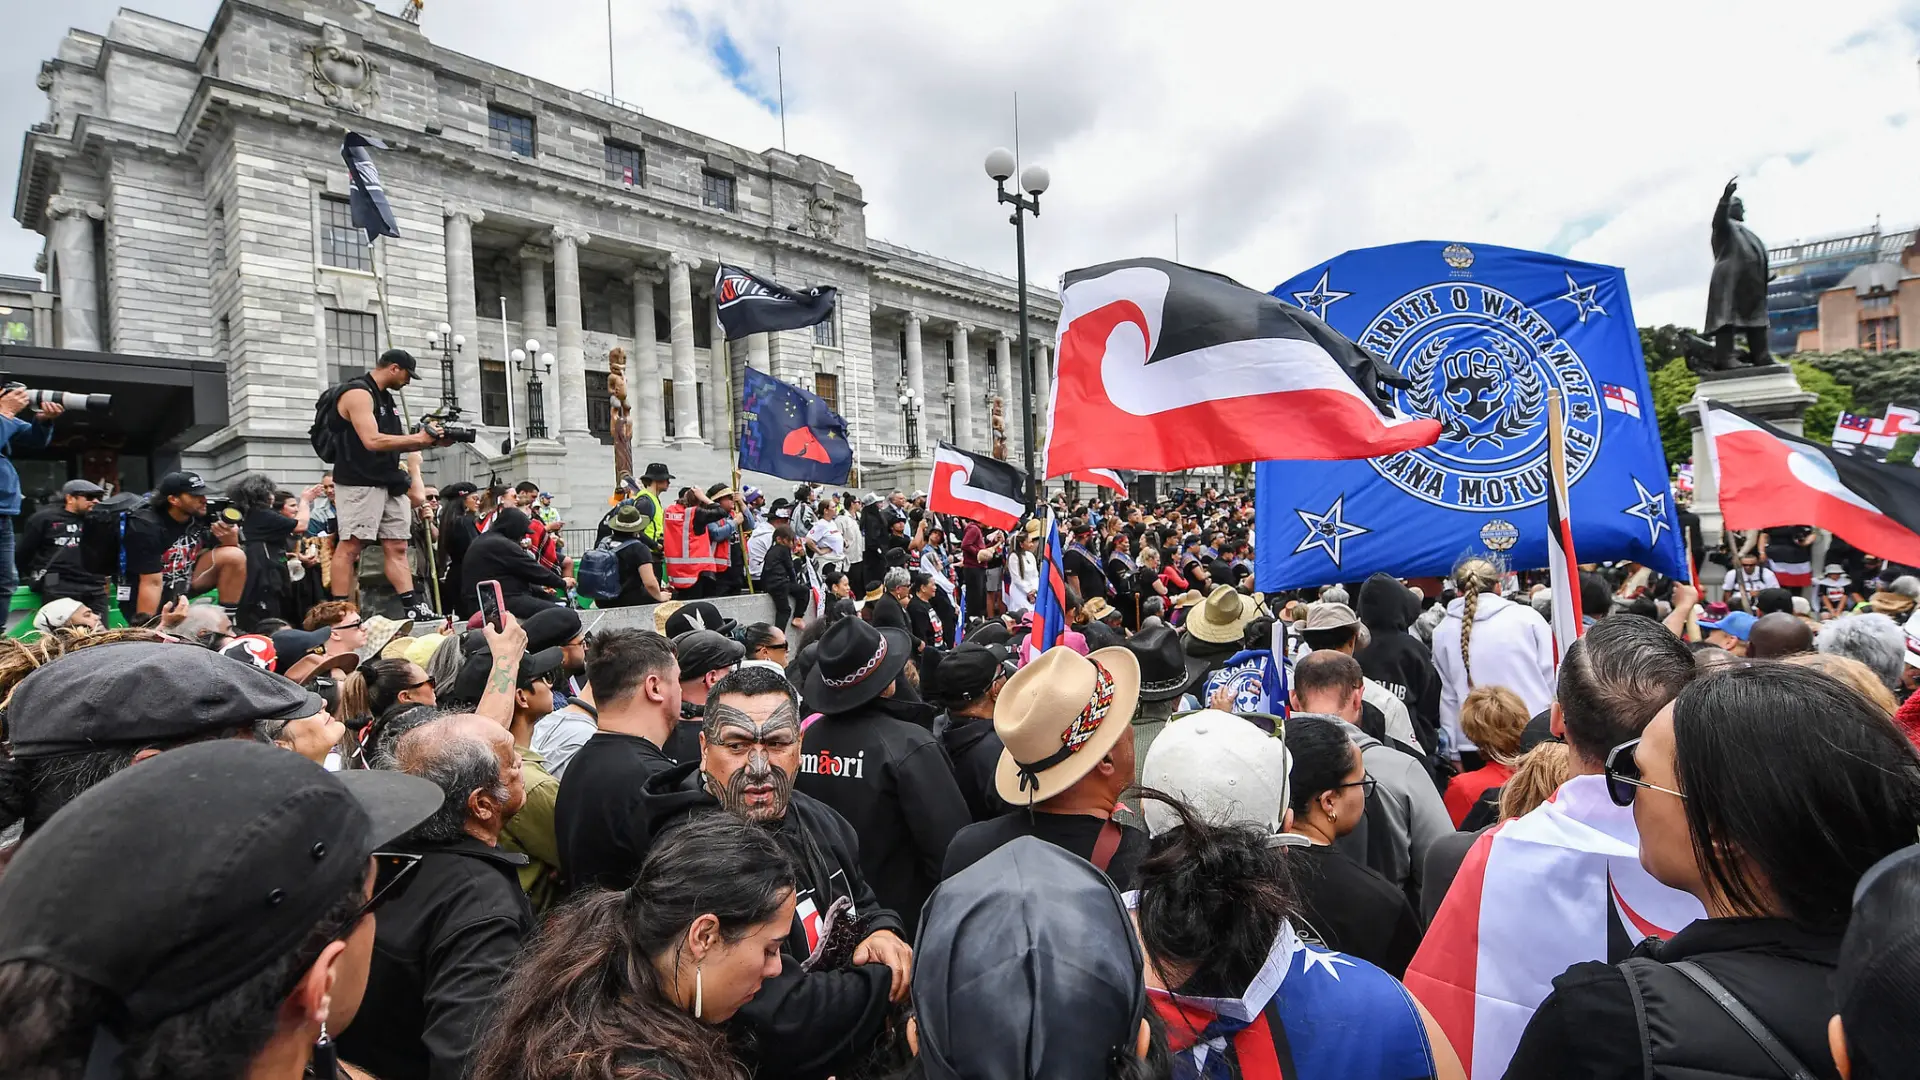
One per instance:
[(221, 511), (451, 426), (37, 399)]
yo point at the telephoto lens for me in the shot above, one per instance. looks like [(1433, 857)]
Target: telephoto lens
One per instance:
[(38, 399)]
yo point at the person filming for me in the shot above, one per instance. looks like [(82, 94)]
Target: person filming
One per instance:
[(173, 551), (370, 483), (17, 433)]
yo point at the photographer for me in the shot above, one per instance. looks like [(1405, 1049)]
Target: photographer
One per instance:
[(370, 484), (267, 534), (48, 550), (17, 434), (172, 551)]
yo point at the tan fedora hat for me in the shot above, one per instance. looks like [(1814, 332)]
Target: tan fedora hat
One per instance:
[(1223, 618), (664, 612), (1096, 609), (1058, 716), (1188, 599)]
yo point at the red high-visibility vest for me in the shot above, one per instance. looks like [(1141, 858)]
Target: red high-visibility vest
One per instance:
[(691, 552)]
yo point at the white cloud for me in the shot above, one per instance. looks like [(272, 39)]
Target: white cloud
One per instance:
[(1280, 134)]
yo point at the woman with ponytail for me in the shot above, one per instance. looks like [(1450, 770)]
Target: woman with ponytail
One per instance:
[(1488, 640), (633, 985), (1238, 990)]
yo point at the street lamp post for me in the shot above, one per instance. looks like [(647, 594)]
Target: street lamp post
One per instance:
[(536, 362), (910, 408), (1033, 180), (447, 343)]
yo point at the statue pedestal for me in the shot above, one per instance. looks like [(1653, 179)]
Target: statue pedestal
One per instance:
[(1769, 392)]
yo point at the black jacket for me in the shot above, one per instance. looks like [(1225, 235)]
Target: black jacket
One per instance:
[(888, 612), (974, 751), (50, 542), (921, 616), (803, 1025), (1588, 1027), (441, 949), (494, 556), (889, 778), (1396, 659), (600, 818)]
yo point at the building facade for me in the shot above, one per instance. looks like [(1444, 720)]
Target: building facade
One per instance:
[(1805, 270), (1869, 307), (190, 186)]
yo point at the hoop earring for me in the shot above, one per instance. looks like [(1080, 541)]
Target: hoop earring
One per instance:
[(699, 1002)]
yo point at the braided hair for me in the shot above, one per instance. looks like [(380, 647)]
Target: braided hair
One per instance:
[(1471, 578)]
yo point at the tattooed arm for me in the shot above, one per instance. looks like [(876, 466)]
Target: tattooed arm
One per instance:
[(507, 645)]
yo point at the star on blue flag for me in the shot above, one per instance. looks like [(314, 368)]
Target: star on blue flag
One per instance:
[(1326, 531), (1321, 297), (1652, 509), (1581, 297)]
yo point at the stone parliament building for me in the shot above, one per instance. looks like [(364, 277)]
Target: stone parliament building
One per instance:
[(191, 190)]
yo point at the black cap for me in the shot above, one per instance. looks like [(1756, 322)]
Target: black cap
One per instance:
[(289, 646), (698, 615), (701, 651), (534, 665), (1026, 964), (182, 483), (399, 358), (140, 693), (173, 882), (656, 471), (968, 672), (1879, 975), (549, 627), (82, 487)]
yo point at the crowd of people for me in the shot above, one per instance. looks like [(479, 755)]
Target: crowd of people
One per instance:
[(1376, 829)]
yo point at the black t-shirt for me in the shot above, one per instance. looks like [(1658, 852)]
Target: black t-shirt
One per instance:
[(633, 553), (269, 527), (157, 544), (1077, 833), (50, 543), (599, 805), (1351, 909)]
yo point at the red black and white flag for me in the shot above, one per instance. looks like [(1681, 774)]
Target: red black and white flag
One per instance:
[(1767, 477), (1563, 569), (1161, 367), (977, 486), (1107, 478)]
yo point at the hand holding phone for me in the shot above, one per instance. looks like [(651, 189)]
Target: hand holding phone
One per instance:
[(492, 602)]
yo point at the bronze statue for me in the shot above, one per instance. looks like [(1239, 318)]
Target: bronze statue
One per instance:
[(1737, 293)]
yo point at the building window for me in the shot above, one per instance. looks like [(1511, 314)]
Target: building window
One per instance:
[(666, 407), (903, 353), (224, 341), (599, 407), (509, 131), (352, 343), (717, 190), (700, 408), (624, 165), (493, 393), (949, 361), (217, 236), (823, 333), (993, 374), (953, 422), (827, 388), (1880, 335), (341, 244)]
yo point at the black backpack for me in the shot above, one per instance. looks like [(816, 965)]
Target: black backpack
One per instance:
[(323, 433), (103, 531)]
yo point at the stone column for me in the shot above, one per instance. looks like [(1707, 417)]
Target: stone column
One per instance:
[(963, 386), (916, 373), (643, 372), (1003, 366), (686, 403), (533, 295), (462, 311), (571, 353), (71, 236)]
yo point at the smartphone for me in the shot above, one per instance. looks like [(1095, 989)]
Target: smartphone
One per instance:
[(492, 603)]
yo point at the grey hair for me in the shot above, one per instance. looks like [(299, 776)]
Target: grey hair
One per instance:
[(1872, 639), (443, 667), (896, 578), (459, 765), (1333, 594), (1424, 625), (200, 621), (1906, 585)]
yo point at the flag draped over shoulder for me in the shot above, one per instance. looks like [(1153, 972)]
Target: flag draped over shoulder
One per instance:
[(1050, 610), (751, 304), (791, 433), (1163, 367), (1768, 477), (977, 487), (1558, 886), (1481, 337), (366, 199)]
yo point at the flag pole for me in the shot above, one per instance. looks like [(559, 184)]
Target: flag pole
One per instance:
[(1567, 568), (733, 448), (406, 418)]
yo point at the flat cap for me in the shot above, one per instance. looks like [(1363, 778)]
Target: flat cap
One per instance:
[(701, 651)]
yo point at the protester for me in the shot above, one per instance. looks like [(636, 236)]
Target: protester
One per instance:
[(1872, 639), (48, 549), (1405, 815), (780, 578), (706, 657), (1021, 581), (1538, 775), (635, 557), (1237, 988), (1028, 967), (497, 555), (1749, 578), (969, 685), (1065, 720), (1342, 904), (1334, 627), (443, 947), (1768, 820), (1163, 679), (1396, 659), (376, 688), (1777, 635), (1872, 1033), (370, 484), (928, 623), (1213, 632), (530, 831), (1493, 718), (65, 613), (172, 551), (872, 756), (1487, 640), (133, 936), (1555, 880), (1728, 630)]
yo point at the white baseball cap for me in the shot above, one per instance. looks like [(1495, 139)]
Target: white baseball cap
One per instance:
[(1226, 769)]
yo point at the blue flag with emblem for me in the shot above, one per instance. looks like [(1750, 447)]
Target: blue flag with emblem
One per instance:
[(791, 433), (1483, 334)]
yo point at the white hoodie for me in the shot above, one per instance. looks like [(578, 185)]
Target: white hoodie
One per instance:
[(1511, 645)]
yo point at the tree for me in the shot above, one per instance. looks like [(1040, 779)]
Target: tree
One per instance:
[(1673, 385), (1877, 380), (1835, 399), (1660, 344), (1903, 449)]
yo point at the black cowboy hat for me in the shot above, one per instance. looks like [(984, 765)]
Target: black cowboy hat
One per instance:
[(656, 471), (857, 661), (1163, 667)]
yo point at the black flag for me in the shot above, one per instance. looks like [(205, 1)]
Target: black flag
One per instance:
[(751, 304), (366, 200)]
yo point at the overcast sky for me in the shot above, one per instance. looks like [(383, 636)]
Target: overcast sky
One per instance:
[(1280, 134)]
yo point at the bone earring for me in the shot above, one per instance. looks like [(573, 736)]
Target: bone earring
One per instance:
[(698, 997)]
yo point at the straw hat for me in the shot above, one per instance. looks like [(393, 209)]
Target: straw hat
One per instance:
[(1222, 619), (664, 612), (1058, 717), (1097, 609), (1188, 599), (381, 630)]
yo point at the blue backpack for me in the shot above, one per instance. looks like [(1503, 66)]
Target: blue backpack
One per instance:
[(598, 575)]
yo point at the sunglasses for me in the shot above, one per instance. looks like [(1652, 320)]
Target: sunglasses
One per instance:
[(1623, 776), (392, 871), (1367, 785), (355, 625), (427, 682)]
